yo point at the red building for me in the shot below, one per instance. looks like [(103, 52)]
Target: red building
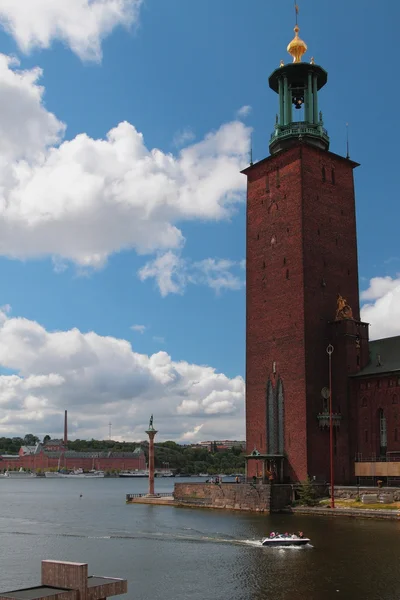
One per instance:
[(53, 455), (302, 297)]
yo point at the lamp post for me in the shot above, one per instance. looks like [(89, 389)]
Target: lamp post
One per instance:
[(329, 352)]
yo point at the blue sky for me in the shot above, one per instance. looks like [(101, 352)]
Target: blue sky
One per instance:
[(104, 236)]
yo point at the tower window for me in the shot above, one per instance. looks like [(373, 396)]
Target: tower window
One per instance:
[(287, 229), (287, 273), (333, 176), (366, 436), (264, 264), (323, 174), (364, 402), (258, 236), (284, 260)]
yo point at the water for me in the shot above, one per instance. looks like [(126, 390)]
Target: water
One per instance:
[(168, 553)]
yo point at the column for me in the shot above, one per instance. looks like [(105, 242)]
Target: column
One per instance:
[(287, 101), (315, 95), (151, 433), (310, 112), (281, 103)]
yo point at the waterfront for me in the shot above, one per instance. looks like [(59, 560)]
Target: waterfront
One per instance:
[(170, 553)]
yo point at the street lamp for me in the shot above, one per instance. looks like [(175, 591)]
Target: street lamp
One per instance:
[(329, 351)]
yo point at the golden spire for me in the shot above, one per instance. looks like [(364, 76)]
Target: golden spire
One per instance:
[(297, 47)]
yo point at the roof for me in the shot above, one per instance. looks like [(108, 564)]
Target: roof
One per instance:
[(41, 591), (384, 357), (28, 449)]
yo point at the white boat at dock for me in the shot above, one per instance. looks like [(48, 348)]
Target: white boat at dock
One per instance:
[(21, 474), (137, 473), (75, 474)]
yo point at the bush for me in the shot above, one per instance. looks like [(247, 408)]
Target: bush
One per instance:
[(307, 495)]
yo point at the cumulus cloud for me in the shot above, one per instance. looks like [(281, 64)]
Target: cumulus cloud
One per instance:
[(172, 273), (101, 378), (81, 200), (139, 328), (383, 313), (80, 24)]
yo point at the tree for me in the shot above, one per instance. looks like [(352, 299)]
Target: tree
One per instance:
[(307, 495), (46, 438), (30, 439)]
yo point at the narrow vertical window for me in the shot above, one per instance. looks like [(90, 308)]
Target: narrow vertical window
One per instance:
[(323, 174), (333, 176)]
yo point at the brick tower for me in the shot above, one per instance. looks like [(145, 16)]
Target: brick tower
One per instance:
[(301, 265)]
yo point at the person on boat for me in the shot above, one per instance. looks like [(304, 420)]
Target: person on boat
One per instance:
[(301, 534)]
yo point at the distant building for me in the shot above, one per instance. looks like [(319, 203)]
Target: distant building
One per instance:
[(222, 445), (53, 454)]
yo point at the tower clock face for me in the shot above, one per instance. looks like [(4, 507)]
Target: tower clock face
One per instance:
[(325, 393)]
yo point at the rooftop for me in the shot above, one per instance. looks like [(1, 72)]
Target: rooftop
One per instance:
[(35, 593), (384, 357)]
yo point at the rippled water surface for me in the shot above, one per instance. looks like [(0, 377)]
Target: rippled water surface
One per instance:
[(168, 553)]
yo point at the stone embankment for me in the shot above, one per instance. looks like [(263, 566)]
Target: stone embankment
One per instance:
[(230, 496)]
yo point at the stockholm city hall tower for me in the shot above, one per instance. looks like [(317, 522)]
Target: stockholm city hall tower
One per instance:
[(302, 289)]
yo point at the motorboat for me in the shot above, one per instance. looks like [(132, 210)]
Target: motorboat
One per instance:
[(285, 539)]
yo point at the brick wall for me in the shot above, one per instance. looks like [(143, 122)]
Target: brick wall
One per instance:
[(301, 252), (234, 496)]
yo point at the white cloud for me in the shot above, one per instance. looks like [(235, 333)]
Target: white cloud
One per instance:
[(384, 313), (217, 274), (97, 378), (172, 273), (85, 199), (183, 137), (244, 112), (80, 24), (189, 436), (139, 328)]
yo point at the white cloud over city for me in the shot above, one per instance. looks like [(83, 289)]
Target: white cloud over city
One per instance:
[(381, 306), (83, 199), (79, 24), (99, 379)]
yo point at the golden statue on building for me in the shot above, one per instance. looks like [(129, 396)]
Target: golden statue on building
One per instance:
[(343, 310)]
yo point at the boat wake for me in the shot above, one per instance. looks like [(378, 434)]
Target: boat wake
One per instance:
[(160, 537)]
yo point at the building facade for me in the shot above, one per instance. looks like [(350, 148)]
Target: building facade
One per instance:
[(54, 455), (306, 346)]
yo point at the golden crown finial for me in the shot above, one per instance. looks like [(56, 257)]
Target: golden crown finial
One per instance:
[(297, 47)]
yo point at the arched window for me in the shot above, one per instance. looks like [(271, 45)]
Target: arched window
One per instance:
[(382, 432), (271, 419), (281, 416)]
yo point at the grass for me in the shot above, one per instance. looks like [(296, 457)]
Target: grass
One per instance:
[(340, 503)]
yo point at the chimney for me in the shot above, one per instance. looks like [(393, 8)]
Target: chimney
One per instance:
[(65, 429)]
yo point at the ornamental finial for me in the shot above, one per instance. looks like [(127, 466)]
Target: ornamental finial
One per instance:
[(297, 47)]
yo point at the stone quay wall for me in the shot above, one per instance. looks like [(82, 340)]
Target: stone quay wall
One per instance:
[(233, 496), (351, 492)]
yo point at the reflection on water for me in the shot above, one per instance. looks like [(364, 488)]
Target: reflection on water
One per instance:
[(169, 553)]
